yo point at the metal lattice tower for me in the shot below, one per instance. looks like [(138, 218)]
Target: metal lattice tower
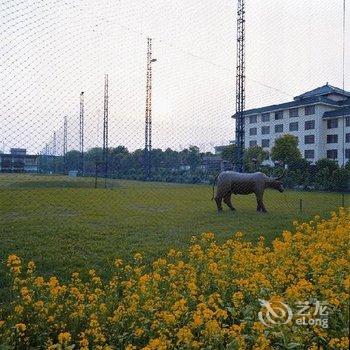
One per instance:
[(65, 132), (240, 85), (81, 134), (105, 130), (54, 146), (54, 151), (148, 112)]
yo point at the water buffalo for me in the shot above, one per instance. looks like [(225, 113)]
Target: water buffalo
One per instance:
[(231, 182)]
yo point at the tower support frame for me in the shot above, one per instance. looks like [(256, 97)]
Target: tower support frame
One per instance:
[(240, 86), (148, 113), (105, 130)]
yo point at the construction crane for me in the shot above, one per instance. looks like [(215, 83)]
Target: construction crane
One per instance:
[(148, 114), (240, 86)]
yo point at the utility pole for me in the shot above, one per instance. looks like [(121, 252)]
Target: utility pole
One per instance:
[(105, 130), (81, 134), (148, 114), (240, 86), (65, 145), (54, 151)]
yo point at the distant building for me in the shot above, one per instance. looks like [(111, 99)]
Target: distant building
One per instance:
[(218, 149), (211, 163), (320, 118), (18, 161)]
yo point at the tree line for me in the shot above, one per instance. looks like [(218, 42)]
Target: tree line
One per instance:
[(192, 166)]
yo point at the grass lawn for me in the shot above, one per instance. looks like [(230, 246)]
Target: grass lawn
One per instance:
[(64, 224)]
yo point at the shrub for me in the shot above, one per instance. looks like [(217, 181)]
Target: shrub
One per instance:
[(205, 299)]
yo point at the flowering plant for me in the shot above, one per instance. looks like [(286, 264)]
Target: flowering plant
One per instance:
[(206, 298)]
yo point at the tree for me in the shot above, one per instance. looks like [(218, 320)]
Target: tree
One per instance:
[(340, 180), (157, 158), (324, 173), (253, 157), (328, 164), (229, 153), (347, 165), (116, 157), (194, 158), (72, 160), (286, 150), (171, 159)]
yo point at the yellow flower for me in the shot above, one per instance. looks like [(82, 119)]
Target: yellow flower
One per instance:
[(64, 338), (138, 257), (184, 335), (84, 343), (118, 263), (13, 260), (139, 332), (19, 309), (31, 267), (21, 327), (39, 281), (191, 302), (197, 320)]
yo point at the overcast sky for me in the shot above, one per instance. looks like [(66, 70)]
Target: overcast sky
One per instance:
[(52, 49)]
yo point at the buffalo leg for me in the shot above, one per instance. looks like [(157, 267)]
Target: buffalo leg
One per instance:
[(260, 203), (227, 200), (218, 203)]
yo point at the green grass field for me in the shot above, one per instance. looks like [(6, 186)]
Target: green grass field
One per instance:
[(65, 224)]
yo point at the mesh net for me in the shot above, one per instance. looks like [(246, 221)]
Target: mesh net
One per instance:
[(53, 50)]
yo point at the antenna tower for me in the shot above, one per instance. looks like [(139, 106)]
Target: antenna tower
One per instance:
[(65, 145), (81, 135), (148, 114), (240, 85), (105, 130), (54, 151)]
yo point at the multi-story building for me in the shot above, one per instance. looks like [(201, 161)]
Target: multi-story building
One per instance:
[(320, 118), (18, 161)]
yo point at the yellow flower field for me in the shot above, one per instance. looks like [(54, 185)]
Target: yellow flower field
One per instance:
[(211, 297)]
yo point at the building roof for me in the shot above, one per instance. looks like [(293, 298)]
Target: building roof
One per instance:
[(338, 112), (315, 96), (322, 91), (11, 155), (292, 104)]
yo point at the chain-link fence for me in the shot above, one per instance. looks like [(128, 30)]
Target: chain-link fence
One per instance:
[(76, 155)]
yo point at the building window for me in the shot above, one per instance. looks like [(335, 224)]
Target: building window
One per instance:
[(294, 112), (347, 137), (294, 126), (279, 128), (332, 138), (332, 123), (310, 125), (347, 153), (332, 154), (309, 110), (253, 131), (309, 154), (253, 119), (265, 129), (265, 143), (279, 115), (309, 139), (347, 121), (265, 117), (253, 143)]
